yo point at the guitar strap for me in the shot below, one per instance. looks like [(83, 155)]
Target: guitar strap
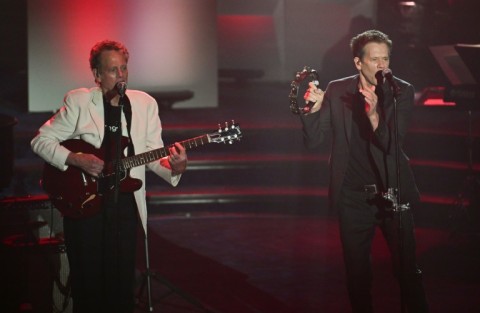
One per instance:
[(127, 110)]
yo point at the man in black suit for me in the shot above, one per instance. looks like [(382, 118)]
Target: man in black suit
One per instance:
[(359, 112)]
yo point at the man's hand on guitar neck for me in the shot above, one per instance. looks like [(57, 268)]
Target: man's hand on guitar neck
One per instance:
[(177, 161), (88, 163)]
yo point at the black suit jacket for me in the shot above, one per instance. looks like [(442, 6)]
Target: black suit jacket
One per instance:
[(335, 117)]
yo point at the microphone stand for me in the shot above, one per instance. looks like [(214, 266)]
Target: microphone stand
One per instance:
[(395, 197), (116, 187), (114, 217)]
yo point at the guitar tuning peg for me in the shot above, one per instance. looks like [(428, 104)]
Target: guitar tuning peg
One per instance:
[(226, 125), (233, 123)]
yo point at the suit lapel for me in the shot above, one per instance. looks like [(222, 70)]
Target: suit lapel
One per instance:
[(97, 113), (347, 109)]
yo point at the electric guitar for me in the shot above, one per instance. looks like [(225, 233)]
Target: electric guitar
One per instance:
[(77, 194)]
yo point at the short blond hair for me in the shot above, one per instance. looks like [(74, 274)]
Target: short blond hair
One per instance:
[(105, 45)]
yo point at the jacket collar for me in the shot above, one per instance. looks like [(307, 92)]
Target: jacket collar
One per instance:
[(351, 90), (97, 97), (97, 112)]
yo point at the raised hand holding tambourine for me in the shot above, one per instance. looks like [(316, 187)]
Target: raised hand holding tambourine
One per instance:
[(308, 81)]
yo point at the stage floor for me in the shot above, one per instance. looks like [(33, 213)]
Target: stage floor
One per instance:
[(284, 263)]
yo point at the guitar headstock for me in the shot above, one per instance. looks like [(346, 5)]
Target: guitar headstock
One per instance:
[(226, 134)]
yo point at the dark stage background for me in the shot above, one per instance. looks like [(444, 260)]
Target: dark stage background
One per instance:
[(248, 229)]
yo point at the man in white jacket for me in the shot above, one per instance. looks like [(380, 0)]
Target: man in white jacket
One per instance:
[(112, 121)]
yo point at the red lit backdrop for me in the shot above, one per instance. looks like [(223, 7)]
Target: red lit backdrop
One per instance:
[(172, 46)]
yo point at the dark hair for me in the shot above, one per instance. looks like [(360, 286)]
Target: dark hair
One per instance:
[(105, 45), (358, 43)]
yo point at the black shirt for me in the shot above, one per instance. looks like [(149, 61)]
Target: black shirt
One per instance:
[(113, 128), (361, 169)]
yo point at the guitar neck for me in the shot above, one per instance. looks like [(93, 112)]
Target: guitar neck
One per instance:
[(153, 155)]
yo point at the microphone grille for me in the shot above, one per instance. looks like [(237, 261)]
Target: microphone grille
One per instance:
[(387, 72), (121, 88)]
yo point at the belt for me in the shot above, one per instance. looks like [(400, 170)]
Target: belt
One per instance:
[(368, 189)]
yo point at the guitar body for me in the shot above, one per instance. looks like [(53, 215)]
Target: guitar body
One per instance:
[(77, 194)]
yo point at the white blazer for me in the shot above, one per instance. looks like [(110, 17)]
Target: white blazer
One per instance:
[(82, 117)]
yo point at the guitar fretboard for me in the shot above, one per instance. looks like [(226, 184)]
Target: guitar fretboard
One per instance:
[(153, 155)]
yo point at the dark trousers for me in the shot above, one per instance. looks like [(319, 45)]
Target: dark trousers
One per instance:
[(360, 214), (101, 252)]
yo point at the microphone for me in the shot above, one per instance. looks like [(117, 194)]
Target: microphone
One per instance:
[(121, 88), (388, 76)]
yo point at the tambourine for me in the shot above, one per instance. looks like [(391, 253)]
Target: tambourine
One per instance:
[(300, 77)]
